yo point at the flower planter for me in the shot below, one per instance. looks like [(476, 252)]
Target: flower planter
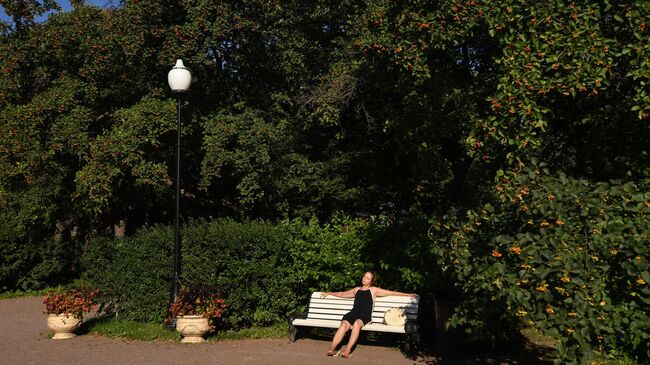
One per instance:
[(63, 325), (192, 328)]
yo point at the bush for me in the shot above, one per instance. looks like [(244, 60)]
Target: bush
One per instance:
[(134, 273), (401, 252), (263, 271), (32, 256), (565, 255), (328, 258), (247, 262)]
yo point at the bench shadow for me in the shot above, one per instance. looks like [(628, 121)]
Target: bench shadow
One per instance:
[(473, 354), (447, 351)]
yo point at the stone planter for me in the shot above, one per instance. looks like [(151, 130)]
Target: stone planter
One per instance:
[(63, 325), (192, 328)]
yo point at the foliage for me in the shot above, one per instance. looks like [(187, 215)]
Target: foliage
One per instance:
[(263, 271), (32, 255), (407, 268), (134, 283), (24, 12), (328, 257), (542, 53), (73, 301), (565, 255), (245, 261), (197, 299), (127, 157)]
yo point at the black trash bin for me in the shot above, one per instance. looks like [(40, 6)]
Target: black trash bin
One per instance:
[(445, 340)]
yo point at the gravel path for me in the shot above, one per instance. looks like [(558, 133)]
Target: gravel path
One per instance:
[(24, 341)]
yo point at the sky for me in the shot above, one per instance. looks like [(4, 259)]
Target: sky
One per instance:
[(65, 6)]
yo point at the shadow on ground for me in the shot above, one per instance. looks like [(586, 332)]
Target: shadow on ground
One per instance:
[(448, 351)]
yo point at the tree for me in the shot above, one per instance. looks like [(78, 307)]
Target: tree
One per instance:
[(24, 12)]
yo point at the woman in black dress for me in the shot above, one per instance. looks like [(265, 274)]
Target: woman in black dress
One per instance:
[(361, 313)]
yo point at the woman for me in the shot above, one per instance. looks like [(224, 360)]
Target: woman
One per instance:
[(361, 313)]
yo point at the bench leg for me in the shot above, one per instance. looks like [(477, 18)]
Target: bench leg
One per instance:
[(293, 330), (293, 333), (412, 339)]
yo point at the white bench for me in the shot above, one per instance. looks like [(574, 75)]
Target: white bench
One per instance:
[(327, 313)]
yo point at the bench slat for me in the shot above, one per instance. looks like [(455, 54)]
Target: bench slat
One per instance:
[(318, 313), (377, 308), (329, 305), (376, 313), (378, 327), (376, 317), (333, 317), (391, 298)]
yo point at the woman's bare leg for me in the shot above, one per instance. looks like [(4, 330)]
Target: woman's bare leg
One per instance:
[(354, 336), (343, 328)]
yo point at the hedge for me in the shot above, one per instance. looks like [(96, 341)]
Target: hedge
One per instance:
[(264, 271)]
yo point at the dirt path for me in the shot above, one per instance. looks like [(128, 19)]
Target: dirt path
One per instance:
[(24, 341)]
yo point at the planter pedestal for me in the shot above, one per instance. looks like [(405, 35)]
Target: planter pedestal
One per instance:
[(192, 328), (63, 325)]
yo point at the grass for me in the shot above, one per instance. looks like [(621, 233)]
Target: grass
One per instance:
[(38, 292), (24, 293), (277, 330), (132, 330)]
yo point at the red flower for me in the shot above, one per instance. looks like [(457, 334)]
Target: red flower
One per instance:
[(74, 301), (197, 300)]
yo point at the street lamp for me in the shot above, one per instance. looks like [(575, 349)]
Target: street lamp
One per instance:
[(179, 79)]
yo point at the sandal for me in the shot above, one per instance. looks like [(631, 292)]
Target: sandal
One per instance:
[(331, 353), (345, 356)]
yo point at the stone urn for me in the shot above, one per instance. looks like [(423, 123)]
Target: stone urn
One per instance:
[(192, 328), (63, 325)]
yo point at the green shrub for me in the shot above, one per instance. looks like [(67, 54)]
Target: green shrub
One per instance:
[(263, 271), (565, 255), (134, 272), (246, 261), (332, 257), (400, 250), (32, 257)]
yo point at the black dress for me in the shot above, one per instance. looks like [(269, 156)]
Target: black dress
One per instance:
[(362, 308)]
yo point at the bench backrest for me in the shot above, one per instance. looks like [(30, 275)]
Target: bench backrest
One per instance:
[(333, 308)]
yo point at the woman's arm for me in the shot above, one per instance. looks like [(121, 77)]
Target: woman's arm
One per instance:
[(341, 294), (379, 292)]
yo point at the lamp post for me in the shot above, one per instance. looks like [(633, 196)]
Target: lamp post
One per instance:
[(179, 79)]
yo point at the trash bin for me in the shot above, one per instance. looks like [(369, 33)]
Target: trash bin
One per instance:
[(445, 340)]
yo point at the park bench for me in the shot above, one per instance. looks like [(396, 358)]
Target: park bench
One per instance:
[(327, 313)]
